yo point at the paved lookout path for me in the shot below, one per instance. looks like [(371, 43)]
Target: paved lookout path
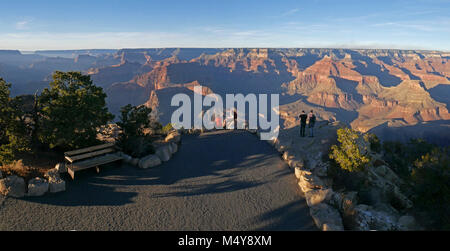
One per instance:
[(216, 181)]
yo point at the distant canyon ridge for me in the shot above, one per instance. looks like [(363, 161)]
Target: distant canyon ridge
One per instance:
[(396, 94)]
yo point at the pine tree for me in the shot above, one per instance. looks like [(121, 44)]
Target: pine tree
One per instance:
[(71, 111)]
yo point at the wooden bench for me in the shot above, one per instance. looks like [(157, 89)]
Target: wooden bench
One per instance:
[(93, 156)]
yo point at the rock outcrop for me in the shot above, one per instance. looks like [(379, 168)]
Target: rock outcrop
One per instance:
[(37, 187), (164, 152), (13, 186), (359, 86), (57, 185), (173, 137), (149, 161)]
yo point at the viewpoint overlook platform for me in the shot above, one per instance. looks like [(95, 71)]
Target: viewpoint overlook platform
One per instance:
[(222, 180)]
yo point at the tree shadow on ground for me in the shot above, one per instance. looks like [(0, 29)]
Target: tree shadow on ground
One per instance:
[(286, 218), (214, 157), (88, 190)]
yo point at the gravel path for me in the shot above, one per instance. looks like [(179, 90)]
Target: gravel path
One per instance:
[(216, 181)]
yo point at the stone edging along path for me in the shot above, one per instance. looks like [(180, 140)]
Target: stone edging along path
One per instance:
[(163, 153), (15, 186)]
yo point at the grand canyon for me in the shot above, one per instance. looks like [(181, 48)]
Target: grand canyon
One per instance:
[(394, 93)]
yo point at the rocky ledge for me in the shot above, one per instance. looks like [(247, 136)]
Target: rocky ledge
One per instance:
[(339, 210)]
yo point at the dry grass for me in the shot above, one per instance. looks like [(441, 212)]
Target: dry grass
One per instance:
[(19, 169), (30, 166)]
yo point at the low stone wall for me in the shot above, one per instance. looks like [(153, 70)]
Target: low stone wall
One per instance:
[(163, 153), (15, 186)]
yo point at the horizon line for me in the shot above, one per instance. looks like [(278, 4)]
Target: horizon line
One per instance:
[(171, 47)]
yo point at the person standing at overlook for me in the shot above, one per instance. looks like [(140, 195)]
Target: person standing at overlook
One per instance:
[(311, 123), (303, 117)]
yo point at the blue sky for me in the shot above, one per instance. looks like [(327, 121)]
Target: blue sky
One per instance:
[(48, 24)]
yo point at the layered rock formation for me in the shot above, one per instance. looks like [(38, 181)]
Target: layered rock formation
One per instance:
[(368, 89)]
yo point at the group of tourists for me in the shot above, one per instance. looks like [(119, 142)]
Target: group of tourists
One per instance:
[(305, 119), (311, 119)]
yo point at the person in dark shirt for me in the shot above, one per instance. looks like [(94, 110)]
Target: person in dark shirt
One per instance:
[(311, 123), (303, 118)]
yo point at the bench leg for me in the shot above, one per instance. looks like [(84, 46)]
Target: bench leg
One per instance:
[(71, 173), (97, 169)]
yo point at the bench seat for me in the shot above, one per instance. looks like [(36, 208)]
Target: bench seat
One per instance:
[(91, 157)]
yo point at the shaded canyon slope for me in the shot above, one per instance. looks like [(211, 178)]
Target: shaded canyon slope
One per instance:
[(371, 90)]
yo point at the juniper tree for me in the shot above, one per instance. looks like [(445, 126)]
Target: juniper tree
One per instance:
[(348, 153), (134, 122), (71, 111)]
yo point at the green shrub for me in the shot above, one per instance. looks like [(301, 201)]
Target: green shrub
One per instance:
[(375, 144), (14, 136), (167, 128), (348, 153), (431, 185), (134, 122), (401, 156), (426, 168)]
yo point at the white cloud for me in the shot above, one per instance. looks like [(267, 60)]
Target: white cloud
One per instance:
[(290, 12), (29, 41), (107, 40), (22, 25)]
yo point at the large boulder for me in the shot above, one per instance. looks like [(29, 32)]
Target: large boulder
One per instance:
[(287, 156), (345, 202), (37, 187), (309, 181), (173, 148), (126, 158), (164, 153), (326, 217), (282, 146), (317, 196), (56, 185), (388, 174), (173, 137), (366, 218), (13, 186), (389, 191), (321, 169), (298, 172), (295, 163), (149, 161)]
